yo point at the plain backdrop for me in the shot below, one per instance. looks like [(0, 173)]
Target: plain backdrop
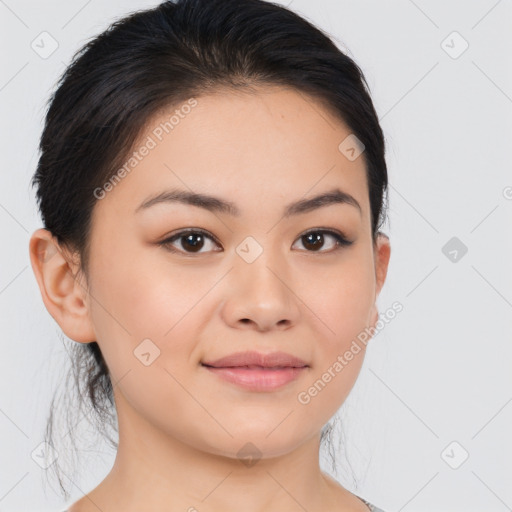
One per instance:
[(427, 425)]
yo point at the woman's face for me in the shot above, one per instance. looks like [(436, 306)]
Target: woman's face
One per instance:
[(251, 280)]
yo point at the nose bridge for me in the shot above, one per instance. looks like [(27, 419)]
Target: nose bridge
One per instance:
[(259, 266), (258, 290)]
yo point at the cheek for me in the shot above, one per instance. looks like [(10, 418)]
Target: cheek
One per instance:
[(343, 304), (341, 297), (144, 322), (145, 311), (144, 298)]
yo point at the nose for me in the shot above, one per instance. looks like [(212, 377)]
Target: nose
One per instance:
[(260, 296)]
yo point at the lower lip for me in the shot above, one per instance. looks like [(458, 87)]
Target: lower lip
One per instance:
[(258, 379)]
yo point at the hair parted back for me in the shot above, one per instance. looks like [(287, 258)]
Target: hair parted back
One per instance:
[(153, 59)]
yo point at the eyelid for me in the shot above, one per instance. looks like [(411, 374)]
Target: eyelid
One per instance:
[(186, 231)]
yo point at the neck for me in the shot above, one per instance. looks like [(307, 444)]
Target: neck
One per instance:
[(155, 471)]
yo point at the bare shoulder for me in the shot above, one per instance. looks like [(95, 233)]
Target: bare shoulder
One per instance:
[(78, 506), (93, 501)]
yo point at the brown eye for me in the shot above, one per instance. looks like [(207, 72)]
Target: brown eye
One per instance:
[(314, 241), (189, 241)]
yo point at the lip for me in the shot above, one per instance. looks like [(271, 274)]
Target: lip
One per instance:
[(252, 358), (255, 371), (258, 379)]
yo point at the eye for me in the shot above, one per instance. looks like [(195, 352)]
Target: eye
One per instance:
[(314, 240), (190, 240), (193, 240)]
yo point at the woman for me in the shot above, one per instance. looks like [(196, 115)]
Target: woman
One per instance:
[(211, 184)]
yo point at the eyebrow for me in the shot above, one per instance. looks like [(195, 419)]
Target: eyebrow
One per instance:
[(216, 204)]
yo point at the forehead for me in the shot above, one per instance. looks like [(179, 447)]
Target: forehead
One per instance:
[(264, 144)]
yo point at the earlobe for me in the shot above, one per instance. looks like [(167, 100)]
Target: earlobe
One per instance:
[(62, 292)]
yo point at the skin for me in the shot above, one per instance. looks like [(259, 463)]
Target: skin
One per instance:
[(180, 426)]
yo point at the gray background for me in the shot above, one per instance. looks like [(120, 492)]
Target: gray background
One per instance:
[(440, 372)]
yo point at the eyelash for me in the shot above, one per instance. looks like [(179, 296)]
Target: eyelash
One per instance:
[(338, 236)]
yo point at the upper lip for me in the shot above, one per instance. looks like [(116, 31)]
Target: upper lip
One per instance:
[(251, 358)]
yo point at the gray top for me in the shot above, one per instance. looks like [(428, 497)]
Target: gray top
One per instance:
[(373, 508)]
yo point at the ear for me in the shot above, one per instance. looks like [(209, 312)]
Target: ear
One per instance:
[(382, 253), (62, 292)]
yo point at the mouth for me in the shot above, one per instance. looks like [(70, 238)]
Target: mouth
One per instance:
[(258, 372)]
